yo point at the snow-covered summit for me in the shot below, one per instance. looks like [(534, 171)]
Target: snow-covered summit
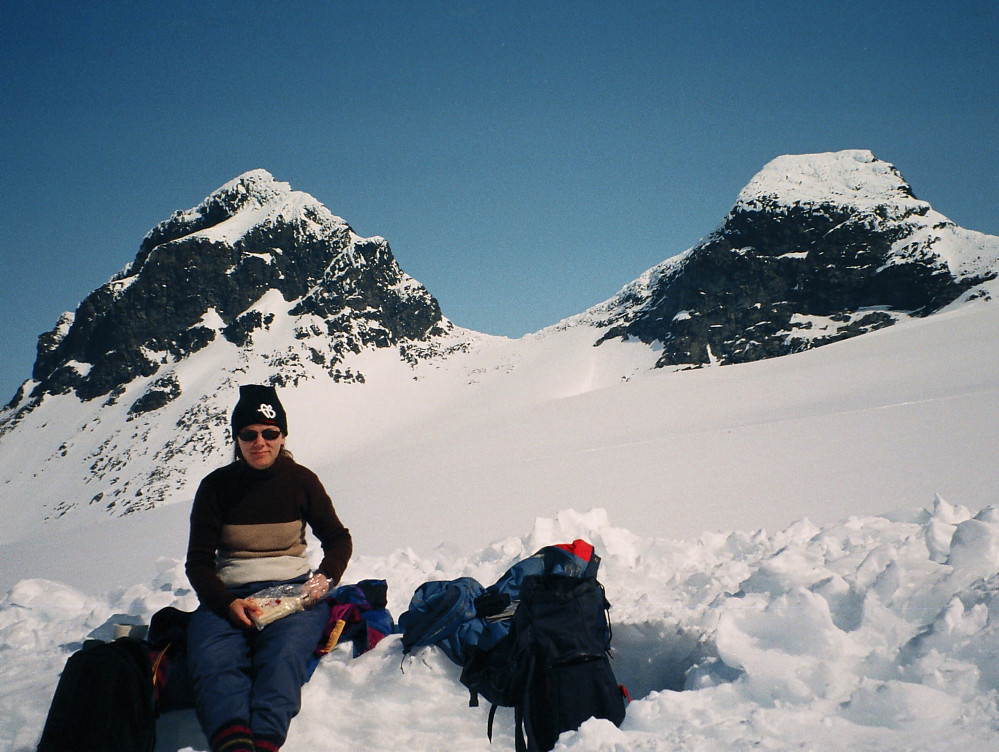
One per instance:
[(252, 199), (864, 191), (816, 248), (262, 283), (253, 185), (852, 177), (216, 262), (255, 282)]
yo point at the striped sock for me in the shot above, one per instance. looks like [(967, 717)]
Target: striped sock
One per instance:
[(234, 736), (265, 745)]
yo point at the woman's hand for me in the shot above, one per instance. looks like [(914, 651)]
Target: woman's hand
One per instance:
[(315, 588), (240, 611)]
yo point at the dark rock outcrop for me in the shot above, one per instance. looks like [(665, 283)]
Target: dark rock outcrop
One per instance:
[(218, 260), (797, 263)]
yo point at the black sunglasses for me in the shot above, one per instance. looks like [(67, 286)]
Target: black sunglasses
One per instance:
[(248, 434)]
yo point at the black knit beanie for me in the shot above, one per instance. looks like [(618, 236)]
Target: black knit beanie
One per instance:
[(258, 404)]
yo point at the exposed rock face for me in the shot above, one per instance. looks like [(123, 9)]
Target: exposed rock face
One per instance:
[(131, 396), (131, 393), (816, 249), (202, 274)]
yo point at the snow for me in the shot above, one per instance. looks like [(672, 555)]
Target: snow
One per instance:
[(292, 204), (212, 320), (844, 637), (853, 176), (966, 252), (81, 368), (257, 199), (801, 553)]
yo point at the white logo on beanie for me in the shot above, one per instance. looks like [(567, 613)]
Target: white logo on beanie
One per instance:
[(267, 411)]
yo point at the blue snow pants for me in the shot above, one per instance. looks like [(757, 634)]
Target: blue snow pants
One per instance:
[(251, 676)]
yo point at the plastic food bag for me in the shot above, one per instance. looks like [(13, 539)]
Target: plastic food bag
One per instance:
[(277, 602)]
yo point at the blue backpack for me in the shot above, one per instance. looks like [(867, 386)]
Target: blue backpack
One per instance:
[(537, 640), (461, 616)]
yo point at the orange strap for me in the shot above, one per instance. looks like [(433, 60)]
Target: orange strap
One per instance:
[(334, 637), (156, 663)]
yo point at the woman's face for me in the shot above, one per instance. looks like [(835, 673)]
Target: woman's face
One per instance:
[(260, 453)]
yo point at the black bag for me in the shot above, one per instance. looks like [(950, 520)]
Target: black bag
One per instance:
[(104, 701), (553, 667), (167, 637)]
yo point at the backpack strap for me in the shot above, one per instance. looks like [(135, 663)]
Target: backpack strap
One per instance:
[(518, 731), (523, 734), (489, 726)]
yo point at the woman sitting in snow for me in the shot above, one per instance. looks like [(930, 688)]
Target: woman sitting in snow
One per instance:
[(248, 533)]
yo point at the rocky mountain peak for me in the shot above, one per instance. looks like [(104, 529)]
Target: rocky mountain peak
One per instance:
[(202, 276), (254, 198), (816, 248), (131, 393)]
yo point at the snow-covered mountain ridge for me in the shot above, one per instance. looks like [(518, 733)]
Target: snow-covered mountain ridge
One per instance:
[(132, 389), (202, 275), (129, 402), (800, 551), (817, 248)]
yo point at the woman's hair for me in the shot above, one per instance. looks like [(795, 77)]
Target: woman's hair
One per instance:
[(238, 456)]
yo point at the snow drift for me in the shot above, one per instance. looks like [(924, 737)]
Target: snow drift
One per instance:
[(873, 633)]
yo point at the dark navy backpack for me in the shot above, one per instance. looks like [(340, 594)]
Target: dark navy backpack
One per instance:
[(537, 640), (553, 667)]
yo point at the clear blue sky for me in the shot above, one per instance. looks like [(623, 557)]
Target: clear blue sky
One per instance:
[(525, 160)]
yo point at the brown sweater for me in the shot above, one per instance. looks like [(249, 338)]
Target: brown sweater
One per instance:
[(249, 526)]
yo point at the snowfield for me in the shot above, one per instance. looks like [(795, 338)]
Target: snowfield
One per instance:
[(800, 553), (873, 633)]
